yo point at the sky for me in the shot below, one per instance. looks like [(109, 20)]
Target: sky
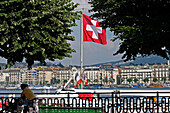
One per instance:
[(93, 53)]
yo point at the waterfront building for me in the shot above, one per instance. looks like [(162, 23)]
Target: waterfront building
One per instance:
[(34, 76), (23, 76), (29, 76), (4, 77), (14, 75), (106, 75), (97, 75), (109, 76), (48, 75), (129, 74), (161, 73), (93, 74), (154, 74), (61, 75), (41, 76)]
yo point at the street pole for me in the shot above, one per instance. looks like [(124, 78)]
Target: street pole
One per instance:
[(81, 48)]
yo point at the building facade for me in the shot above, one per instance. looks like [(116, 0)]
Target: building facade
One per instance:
[(155, 74), (106, 75)]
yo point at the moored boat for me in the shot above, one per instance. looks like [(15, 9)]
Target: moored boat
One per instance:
[(155, 86)]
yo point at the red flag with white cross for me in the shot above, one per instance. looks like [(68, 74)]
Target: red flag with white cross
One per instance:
[(92, 31)]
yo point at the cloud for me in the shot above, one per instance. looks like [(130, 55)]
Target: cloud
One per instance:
[(83, 4), (96, 53), (92, 52), (3, 60)]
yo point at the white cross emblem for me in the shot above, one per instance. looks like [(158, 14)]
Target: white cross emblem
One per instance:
[(95, 29)]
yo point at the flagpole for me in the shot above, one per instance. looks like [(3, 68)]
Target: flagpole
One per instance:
[(81, 48)]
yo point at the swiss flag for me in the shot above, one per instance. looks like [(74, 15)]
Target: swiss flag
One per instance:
[(92, 32)]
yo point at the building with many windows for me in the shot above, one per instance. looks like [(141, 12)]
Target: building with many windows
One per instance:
[(106, 75), (161, 73), (62, 75), (14, 75), (155, 73), (93, 74), (97, 75), (4, 77), (133, 72)]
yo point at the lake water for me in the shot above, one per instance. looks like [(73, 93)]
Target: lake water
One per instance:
[(107, 89), (54, 90), (20, 91)]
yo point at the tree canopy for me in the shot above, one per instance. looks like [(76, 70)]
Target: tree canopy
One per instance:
[(129, 80), (36, 30), (146, 79), (142, 26), (122, 80), (155, 79), (135, 80)]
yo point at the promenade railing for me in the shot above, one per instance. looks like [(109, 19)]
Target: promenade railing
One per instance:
[(109, 102)]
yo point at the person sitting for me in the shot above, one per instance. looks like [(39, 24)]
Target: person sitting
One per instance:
[(29, 98)]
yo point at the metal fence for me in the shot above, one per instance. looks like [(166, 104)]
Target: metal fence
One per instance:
[(114, 102)]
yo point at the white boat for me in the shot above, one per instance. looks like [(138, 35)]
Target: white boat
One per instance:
[(64, 92), (61, 93)]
